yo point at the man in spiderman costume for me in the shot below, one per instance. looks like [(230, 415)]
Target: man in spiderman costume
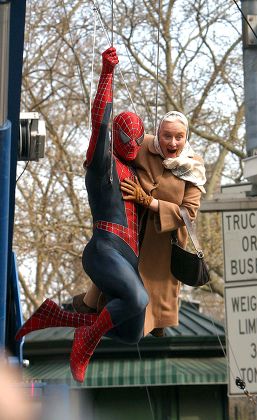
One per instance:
[(111, 256)]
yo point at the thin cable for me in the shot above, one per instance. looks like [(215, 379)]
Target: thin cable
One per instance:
[(24, 169), (245, 18), (216, 332), (157, 67), (126, 86), (112, 22), (92, 74), (146, 386), (110, 43), (157, 87), (101, 22), (250, 397), (111, 168)]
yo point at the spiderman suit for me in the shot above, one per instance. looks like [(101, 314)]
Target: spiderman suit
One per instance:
[(111, 256)]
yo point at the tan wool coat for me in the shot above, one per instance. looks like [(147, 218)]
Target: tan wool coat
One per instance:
[(156, 250)]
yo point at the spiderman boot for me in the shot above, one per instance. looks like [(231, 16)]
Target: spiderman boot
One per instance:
[(85, 342), (49, 314)]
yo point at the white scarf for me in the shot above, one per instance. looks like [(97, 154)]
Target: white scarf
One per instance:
[(184, 166)]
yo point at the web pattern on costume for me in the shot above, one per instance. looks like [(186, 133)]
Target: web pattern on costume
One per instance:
[(103, 96), (127, 123), (128, 234), (85, 342), (131, 126), (49, 314)]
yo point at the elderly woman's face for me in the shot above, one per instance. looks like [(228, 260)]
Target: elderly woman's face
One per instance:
[(172, 138)]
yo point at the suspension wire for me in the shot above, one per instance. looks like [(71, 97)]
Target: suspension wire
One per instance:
[(237, 379), (110, 43), (129, 94), (218, 337), (112, 22), (92, 74), (146, 386), (101, 22), (119, 68), (157, 89), (245, 18), (112, 157), (157, 67)]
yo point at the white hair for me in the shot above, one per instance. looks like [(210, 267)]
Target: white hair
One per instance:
[(175, 116)]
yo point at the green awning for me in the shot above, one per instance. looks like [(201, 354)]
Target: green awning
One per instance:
[(117, 373)]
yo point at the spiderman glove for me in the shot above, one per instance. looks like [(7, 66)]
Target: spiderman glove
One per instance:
[(110, 59)]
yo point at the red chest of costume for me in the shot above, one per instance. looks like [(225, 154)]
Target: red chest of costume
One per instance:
[(128, 233)]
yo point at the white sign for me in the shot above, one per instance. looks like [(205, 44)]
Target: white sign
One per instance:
[(241, 314), (240, 245)]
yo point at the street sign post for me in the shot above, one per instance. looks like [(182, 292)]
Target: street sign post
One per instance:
[(240, 275), (241, 320)]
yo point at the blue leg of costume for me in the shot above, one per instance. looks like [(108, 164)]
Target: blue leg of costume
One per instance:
[(120, 281)]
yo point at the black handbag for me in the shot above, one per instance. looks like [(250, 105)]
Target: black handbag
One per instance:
[(187, 267)]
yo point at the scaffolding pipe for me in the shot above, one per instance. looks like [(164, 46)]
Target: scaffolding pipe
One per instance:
[(5, 160)]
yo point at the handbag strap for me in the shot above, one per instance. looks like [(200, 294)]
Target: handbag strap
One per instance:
[(191, 228)]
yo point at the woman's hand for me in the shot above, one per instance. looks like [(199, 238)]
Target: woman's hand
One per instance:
[(135, 192)]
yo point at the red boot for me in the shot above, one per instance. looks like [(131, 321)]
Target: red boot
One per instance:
[(49, 314), (85, 342)]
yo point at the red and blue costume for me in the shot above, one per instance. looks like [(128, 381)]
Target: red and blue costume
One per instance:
[(111, 256)]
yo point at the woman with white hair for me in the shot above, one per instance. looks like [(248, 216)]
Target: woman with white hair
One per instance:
[(170, 175)]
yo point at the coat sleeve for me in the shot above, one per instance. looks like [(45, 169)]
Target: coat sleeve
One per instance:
[(169, 218)]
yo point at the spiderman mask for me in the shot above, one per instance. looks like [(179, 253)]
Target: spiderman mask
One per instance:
[(128, 134)]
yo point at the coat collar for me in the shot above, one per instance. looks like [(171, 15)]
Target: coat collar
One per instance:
[(151, 147)]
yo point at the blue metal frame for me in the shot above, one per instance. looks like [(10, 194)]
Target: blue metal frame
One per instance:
[(9, 133), (5, 149)]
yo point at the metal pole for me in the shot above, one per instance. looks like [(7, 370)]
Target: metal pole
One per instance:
[(5, 159), (4, 59), (249, 8)]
